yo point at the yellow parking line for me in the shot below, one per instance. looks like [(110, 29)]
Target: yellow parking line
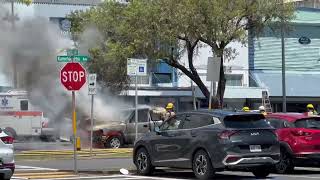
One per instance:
[(44, 175)]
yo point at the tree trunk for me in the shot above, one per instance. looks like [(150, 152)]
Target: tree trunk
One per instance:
[(221, 85)]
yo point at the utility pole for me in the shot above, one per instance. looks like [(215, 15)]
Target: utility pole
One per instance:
[(283, 58), (12, 18)]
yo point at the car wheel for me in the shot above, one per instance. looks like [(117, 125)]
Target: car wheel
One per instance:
[(143, 162), (10, 132), (261, 172), (285, 164), (114, 142), (201, 165)]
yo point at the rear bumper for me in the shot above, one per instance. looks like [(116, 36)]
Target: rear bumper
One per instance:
[(249, 161), (6, 172)]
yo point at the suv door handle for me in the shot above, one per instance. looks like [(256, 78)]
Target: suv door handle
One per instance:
[(145, 125)]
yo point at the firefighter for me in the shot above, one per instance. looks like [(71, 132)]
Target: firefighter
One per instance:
[(262, 110), (311, 110), (246, 109), (170, 111)]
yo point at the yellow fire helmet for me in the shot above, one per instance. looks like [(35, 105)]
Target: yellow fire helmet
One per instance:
[(169, 106), (245, 109), (310, 106)]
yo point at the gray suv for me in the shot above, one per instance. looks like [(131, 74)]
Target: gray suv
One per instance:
[(210, 141)]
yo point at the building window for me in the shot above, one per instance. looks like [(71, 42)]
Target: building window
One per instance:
[(234, 79), (158, 78), (24, 105)]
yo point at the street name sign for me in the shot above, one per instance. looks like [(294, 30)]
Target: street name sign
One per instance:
[(75, 58)]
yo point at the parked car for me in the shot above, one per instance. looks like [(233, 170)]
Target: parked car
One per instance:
[(210, 141), (299, 136), (121, 130), (7, 165)]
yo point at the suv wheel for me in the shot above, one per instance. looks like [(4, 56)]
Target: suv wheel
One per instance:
[(114, 142), (285, 164), (143, 162), (201, 165), (261, 172)]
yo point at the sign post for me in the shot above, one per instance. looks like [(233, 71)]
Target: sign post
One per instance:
[(92, 86), (136, 67), (73, 77), (213, 75)]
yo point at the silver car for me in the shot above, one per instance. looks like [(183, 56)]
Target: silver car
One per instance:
[(7, 164)]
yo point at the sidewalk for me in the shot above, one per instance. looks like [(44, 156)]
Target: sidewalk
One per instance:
[(68, 154)]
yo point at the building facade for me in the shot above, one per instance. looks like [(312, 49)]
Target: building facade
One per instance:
[(302, 60)]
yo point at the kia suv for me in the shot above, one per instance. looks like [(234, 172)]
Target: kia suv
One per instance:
[(210, 141), (299, 136)]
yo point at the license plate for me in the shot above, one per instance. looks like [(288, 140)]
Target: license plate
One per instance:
[(255, 148)]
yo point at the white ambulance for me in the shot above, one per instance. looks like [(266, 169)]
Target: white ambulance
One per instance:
[(18, 117)]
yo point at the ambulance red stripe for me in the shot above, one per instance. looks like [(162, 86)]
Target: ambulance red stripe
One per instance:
[(20, 113)]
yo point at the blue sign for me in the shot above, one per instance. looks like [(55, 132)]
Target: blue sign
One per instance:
[(141, 69), (4, 101)]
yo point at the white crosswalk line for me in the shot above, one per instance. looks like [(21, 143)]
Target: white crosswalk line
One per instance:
[(32, 168)]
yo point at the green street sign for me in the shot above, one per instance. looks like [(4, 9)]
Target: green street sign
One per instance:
[(75, 58), (72, 52)]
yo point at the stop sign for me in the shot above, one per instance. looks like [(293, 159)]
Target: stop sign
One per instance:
[(73, 76)]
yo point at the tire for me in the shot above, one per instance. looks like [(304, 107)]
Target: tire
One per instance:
[(285, 164), (114, 142), (143, 162), (261, 172), (201, 165), (11, 132)]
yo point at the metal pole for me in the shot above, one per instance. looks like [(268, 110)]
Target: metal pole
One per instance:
[(91, 136), (74, 124), (210, 98), (284, 96), (193, 96), (136, 107), (12, 21)]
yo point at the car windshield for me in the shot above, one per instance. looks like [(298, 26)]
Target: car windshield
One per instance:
[(246, 121), (310, 123)]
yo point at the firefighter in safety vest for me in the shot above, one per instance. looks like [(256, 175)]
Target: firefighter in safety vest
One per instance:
[(246, 109), (262, 110), (170, 111), (311, 110)]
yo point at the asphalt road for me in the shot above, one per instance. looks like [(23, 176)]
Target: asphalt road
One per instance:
[(116, 164), (39, 145)]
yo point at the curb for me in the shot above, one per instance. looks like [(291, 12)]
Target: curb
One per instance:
[(103, 172)]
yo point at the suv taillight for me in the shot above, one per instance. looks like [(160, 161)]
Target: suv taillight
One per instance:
[(7, 140), (226, 134), (300, 133)]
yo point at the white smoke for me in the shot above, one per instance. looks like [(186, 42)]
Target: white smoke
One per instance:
[(33, 46)]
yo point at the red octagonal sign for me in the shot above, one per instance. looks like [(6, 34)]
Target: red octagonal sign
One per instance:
[(73, 76)]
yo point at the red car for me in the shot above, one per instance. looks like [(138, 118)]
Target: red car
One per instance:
[(299, 136)]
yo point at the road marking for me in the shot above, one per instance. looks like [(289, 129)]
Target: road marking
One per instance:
[(114, 177), (33, 168), (272, 176)]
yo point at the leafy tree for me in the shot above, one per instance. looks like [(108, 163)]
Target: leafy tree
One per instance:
[(166, 29)]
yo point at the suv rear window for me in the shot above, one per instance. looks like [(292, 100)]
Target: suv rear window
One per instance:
[(246, 121), (310, 123)]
